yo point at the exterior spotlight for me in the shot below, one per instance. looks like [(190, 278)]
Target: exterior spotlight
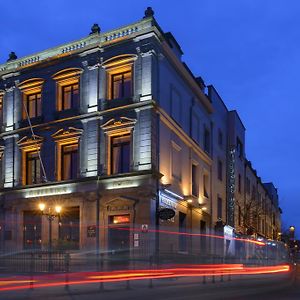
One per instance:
[(42, 206), (189, 200)]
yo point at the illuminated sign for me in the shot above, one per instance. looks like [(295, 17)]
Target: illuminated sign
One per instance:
[(47, 191), (167, 201), (121, 219)]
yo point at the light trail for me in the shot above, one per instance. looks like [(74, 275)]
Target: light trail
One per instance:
[(82, 278)]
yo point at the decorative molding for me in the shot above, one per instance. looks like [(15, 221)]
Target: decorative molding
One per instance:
[(70, 134), (32, 142), (67, 73), (122, 122), (31, 83)]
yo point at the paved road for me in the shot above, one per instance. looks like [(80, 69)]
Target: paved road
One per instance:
[(275, 287)]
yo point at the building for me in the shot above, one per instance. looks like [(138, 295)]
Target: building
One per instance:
[(115, 128)]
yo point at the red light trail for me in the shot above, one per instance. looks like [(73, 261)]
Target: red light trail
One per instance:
[(81, 278)]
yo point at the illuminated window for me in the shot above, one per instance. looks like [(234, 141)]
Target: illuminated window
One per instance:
[(31, 163), (69, 161), (33, 104), (70, 96), (120, 154), (67, 153), (33, 167), (121, 85), (32, 97), (68, 91), (119, 76)]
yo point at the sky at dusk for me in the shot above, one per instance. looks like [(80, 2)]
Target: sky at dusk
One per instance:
[(248, 49)]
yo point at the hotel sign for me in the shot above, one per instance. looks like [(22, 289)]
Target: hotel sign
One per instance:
[(167, 201), (47, 191)]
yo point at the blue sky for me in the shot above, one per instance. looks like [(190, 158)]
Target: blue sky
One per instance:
[(249, 50)]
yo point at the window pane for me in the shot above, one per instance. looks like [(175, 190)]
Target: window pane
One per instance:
[(127, 85), (66, 97), (33, 168), (120, 154), (117, 86), (69, 161)]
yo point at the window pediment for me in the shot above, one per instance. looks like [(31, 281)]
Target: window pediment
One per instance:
[(122, 122), (30, 143), (31, 85), (69, 135)]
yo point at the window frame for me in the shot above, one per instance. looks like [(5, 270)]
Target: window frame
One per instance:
[(126, 134), (111, 89), (27, 160), (62, 156)]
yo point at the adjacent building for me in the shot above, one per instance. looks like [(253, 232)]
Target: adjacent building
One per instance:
[(114, 128)]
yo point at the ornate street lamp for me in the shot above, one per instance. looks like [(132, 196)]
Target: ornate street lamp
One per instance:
[(51, 213)]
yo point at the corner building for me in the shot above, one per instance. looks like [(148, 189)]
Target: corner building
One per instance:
[(112, 141), (113, 128)]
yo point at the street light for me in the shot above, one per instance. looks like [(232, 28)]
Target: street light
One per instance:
[(51, 213)]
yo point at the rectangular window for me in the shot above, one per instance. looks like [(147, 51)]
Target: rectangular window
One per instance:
[(220, 138), (239, 148), (195, 186), (69, 96), (32, 224), (69, 228), (121, 85), (33, 167), (120, 154), (69, 161), (206, 142), (182, 229), (176, 161), (33, 104), (219, 208), (205, 186), (239, 184), (220, 170)]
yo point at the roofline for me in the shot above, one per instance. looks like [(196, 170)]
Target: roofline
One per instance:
[(235, 111)]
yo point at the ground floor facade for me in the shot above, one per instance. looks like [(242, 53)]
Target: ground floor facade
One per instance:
[(113, 215)]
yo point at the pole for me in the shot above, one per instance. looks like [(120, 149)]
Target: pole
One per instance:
[(50, 243)]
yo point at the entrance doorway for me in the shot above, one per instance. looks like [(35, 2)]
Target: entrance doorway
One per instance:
[(119, 239)]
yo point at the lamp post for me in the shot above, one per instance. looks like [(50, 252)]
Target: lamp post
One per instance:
[(51, 213)]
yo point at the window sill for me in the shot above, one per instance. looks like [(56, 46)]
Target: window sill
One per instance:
[(67, 113), (34, 121), (112, 103)]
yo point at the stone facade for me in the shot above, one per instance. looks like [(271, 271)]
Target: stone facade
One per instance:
[(180, 134)]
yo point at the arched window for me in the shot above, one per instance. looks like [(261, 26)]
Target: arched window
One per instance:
[(119, 79), (67, 88), (32, 97)]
